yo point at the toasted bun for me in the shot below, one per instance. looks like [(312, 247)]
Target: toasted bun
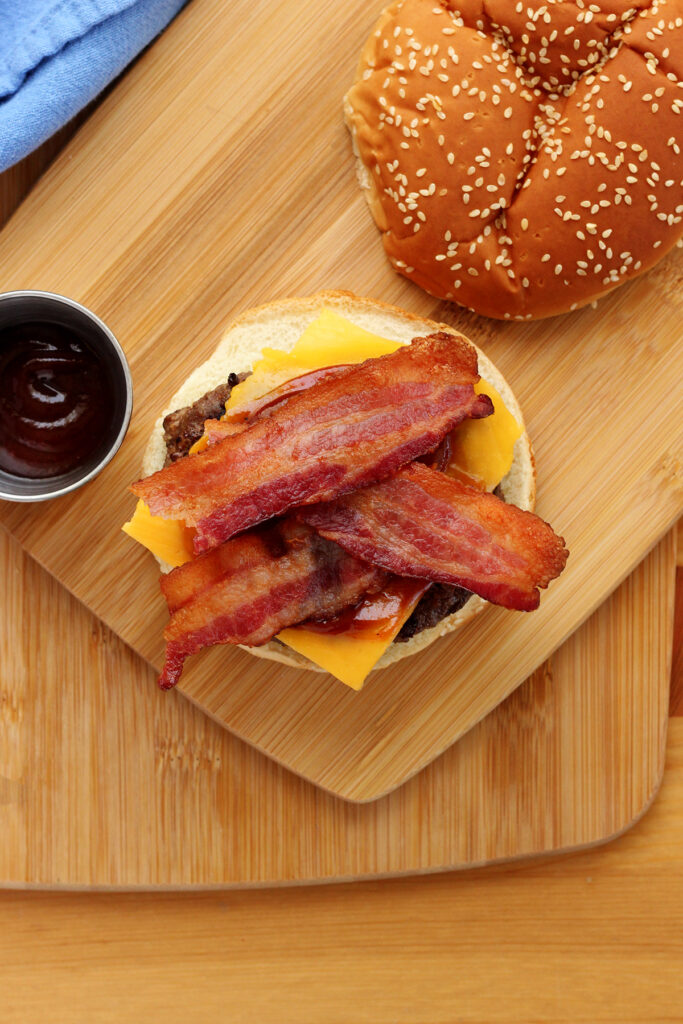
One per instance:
[(279, 325), (522, 160)]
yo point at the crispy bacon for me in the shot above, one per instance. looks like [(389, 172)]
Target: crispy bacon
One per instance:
[(248, 589), (355, 427), (424, 524), (246, 414)]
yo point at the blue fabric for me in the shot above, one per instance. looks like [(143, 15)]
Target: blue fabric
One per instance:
[(57, 55)]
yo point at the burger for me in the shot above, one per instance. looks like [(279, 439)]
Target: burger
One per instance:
[(339, 485)]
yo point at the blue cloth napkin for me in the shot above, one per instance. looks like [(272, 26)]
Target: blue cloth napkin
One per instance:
[(57, 55)]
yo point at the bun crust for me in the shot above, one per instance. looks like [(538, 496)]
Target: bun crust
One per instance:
[(279, 325), (522, 160)]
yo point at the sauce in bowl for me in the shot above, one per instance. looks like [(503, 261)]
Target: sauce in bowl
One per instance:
[(57, 400)]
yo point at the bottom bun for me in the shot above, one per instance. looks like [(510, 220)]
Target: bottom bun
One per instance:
[(279, 325)]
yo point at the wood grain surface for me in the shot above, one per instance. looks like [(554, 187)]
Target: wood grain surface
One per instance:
[(593, 936), (105, 781), (564, 762), (217, 198)]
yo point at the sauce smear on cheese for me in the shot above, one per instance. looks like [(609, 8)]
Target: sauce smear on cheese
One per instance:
[(378, 615)]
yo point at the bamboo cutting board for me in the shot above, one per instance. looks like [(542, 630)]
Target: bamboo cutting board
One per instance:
[(218, 174), (562, 763), (106, 782)]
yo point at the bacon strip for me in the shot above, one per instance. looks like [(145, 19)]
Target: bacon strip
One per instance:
[(424, 524), (248, 589), (244, 415), (351, 429)]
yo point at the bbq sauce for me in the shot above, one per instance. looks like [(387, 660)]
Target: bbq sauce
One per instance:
[(56, 400), (378, 615)]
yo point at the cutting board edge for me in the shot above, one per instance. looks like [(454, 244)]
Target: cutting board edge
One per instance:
[(528, 858)]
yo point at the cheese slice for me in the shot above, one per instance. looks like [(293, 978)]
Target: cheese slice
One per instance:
[(482, 450), (349, 658), (331, 340), (168, 539), (352, 653), (328, 341)]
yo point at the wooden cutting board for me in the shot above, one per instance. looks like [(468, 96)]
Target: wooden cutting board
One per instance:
[(118, 793), (218, 174), (106, 782)]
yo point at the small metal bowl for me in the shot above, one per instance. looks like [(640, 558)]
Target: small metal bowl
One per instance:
[(28, 307)]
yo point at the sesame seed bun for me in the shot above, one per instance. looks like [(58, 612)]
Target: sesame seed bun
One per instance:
[(279, 325), (522, 160)]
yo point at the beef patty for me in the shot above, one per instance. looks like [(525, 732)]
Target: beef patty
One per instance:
[(185, 426)]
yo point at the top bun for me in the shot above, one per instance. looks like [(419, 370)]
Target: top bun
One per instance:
[(521, 158)]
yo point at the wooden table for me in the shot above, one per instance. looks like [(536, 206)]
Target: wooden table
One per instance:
[(591, 937)]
